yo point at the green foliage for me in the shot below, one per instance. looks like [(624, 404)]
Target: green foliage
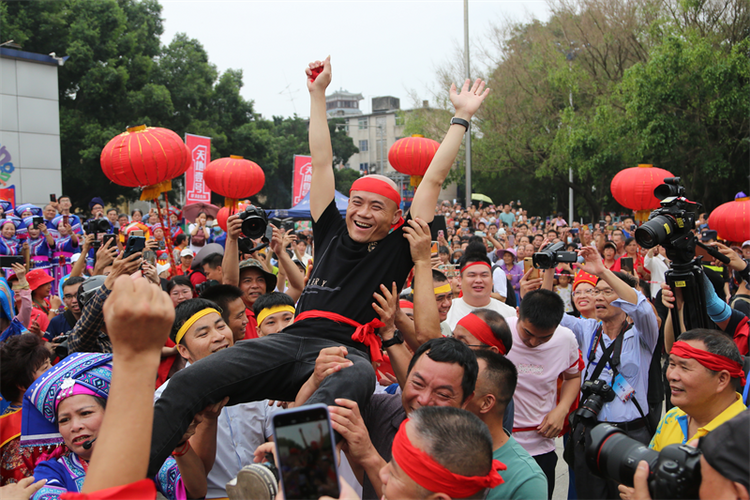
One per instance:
[(119, 75), (344, 179)]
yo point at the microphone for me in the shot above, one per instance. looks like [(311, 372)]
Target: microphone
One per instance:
[(88, 444)]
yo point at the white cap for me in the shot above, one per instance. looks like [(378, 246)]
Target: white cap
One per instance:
[(160, 268), (746, 244), (186, 251), (75, 257)]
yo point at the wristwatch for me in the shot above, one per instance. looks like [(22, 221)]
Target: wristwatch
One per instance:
[(460, 121), (397, 339)]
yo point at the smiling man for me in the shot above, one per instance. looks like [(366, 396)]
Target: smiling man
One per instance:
[(353, 258), (476, 286)]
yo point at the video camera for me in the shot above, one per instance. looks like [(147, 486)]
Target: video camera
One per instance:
[(547, 257), (254, 226), (675, 472)]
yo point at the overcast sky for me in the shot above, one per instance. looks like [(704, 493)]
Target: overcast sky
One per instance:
[(377, 47)]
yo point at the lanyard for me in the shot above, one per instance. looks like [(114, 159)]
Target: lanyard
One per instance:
[(615, 346)]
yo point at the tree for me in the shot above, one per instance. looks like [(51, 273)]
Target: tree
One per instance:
[(345, 177)]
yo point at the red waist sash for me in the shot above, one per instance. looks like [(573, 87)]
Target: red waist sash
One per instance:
[(364, 334)]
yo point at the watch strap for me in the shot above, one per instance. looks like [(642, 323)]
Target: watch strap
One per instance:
[(397, 339), (460, 121)]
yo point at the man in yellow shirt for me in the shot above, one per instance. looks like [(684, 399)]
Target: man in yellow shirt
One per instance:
[(704, 374)]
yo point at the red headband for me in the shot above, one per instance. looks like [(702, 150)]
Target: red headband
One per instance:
[(432, 476), (405, 304), (374, 185), (482, 331), (474, 264), (715, 362)]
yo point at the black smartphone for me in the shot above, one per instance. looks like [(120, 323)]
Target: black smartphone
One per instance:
[(106, 238), (37, 222), (7, 260), (626, 264), (53, 197), (135, 244), (305, 451)]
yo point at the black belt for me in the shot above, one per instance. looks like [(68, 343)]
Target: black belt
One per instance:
[(629, 426)]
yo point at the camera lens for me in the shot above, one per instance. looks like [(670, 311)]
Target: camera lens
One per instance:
[(654, 232), (614, 455), (253, 227)]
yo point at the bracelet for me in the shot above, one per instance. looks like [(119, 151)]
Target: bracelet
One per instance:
[(460, 121), (181, 449)]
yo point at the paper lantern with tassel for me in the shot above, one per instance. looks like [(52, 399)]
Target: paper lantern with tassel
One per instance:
[(145, 157), (633, 188), (234, 178), (732, 219), (412, 155)]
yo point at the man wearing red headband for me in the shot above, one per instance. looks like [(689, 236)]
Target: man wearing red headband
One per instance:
[(704, 374), (354, 257), (441, 453), (476, 287)]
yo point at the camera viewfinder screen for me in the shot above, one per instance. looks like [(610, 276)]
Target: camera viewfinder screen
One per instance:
[(306, 456)]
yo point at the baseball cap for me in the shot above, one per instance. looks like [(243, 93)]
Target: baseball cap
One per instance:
[(255, 264), (160, 268), (746, 244), (37, 278), (186, 252), (708, 234)]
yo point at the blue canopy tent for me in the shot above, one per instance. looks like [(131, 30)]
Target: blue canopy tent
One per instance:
[(302, 209)]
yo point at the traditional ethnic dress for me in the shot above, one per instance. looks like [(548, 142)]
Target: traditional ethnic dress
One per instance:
[(79, 373)]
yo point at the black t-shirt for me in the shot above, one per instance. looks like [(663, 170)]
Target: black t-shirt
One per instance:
[(345, 275)]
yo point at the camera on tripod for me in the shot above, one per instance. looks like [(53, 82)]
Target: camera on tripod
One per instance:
[(547, 257), (675, 472), (254, 226), (673, 221), (596, 393)]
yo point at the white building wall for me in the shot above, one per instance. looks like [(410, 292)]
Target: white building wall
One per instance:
[(29, 130)]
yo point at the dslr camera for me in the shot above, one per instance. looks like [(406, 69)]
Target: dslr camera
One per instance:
[(596, 393), (547, 257), (675, 472), (671, 223), (94, 226), (254, 226)]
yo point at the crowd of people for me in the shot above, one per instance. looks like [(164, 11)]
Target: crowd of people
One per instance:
[(448, 362)]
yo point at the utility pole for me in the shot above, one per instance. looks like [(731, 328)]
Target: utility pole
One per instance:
[(468, 131)]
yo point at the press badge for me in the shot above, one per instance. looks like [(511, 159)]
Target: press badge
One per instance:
[(622, 388)]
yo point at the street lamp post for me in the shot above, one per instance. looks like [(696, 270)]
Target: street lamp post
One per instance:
[(468, 131)]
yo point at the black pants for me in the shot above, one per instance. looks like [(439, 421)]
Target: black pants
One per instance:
[(589, 486), (548, 462), (272, 367)]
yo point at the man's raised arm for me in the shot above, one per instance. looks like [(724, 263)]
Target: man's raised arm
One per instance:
[(466, 103), (322, 184)]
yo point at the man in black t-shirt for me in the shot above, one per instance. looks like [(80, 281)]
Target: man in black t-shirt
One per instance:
[(353, 257)]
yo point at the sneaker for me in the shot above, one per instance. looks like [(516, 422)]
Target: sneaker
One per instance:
[(253, 482)]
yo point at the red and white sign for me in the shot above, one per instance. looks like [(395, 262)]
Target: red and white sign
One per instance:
[(301, 178), (200, 154)]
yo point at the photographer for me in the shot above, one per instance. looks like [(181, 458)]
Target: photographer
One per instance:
[(724, 463), (616, 353)]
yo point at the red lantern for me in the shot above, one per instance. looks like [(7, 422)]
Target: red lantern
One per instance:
[(412, 155), (732, 219), (234, 178), (633, 188), (146, 157), (223, 215)]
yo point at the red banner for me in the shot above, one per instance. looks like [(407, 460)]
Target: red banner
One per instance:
[(301, 178), (200, 153)]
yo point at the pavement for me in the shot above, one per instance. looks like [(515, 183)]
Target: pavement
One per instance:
[(561, 474)]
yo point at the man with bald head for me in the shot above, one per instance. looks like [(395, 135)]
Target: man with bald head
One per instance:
[(355, 255)]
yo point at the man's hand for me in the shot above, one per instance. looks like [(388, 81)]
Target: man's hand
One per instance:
[(417, 232), (277, 240), (234, 227), (20, 271), (553, 423), (468, 101), (735, 261), (671, 299), (149, 272), (387, 307), (88, 241), (106, 253), (593, 261), (320, 82), (122, 267), (347, 421), (139, 316), (35, 328), (528, 284), (330, 360)]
